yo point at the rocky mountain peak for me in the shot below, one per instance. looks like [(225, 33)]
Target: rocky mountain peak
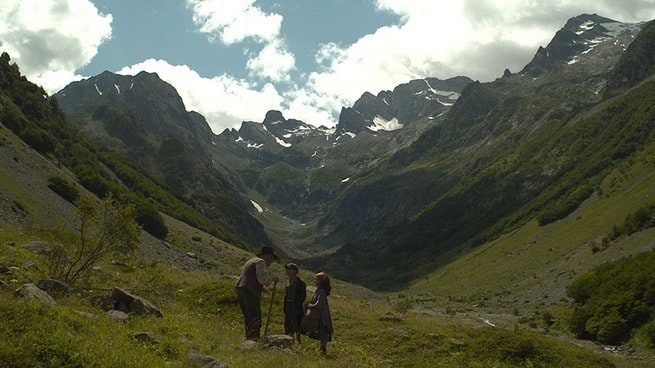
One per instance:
[(408, 102), (274, 117), (574, 41)]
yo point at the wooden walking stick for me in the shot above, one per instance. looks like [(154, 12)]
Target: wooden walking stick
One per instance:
[(270, 308)]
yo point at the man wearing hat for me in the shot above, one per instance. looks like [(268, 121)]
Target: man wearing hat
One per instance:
[(294, 301), (254, 276)]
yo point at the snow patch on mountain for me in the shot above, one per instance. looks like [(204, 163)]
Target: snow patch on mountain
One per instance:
[(381, 123), (281, 142), (613, 30), (257, 206)]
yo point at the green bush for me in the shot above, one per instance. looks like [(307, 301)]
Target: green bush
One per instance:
[(649, 333), (38, 139), (151, 220), (105, 227), (614, 300), (65, 189), (641, 219)]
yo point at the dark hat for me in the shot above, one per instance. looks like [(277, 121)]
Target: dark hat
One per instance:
[(267, 250), (292, 266)]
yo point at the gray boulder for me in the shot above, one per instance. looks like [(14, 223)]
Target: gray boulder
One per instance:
[(104, 302), (276, 341), (32, 292), (248, 345), (38, 247), (117, 316), (204, 361), (145, 337), (132, 304), (54, 287)]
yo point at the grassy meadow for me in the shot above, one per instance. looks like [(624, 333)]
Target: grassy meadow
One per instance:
[(201, 315)]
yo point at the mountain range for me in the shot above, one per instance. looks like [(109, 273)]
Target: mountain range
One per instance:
[(406, 175), (407, 181), (498, 222)]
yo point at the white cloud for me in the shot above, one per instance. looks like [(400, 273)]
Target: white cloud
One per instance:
[(309, 107), (232, 21), (235, 21), (50, 40), (223, 100), (273, 62)]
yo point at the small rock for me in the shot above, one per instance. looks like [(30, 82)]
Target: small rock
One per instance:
[(104, 302), (31, 291), (39, 247), (145, 337), (122, 264), (54, 287), (87, 315), (248, 345), (204, 361), (277, 341), (400, 331), (117, 316), (133, 304)]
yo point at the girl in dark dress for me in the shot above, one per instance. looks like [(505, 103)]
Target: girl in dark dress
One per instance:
[(294, 301), (320, 301)]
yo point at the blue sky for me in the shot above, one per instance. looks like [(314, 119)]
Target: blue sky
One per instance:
[(233, 60), (144, 29)]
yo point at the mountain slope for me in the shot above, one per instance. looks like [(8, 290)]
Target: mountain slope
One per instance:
[(144, 119), (515, 148)]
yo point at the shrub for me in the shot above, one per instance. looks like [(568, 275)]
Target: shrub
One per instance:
[(641, 219), (151, 220), (614, 300), (649, 333), (38, 139), (66, 190), (105, 227)]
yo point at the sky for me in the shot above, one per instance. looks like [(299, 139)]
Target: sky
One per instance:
[(234, 60)]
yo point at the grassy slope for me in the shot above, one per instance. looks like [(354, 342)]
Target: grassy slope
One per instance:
[(200, 313), (196, 296), (516, 278)]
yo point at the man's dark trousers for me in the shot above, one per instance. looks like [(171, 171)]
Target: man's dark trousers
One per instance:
[(252, 312)]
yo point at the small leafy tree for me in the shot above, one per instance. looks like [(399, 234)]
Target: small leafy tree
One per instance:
[(105, 227)]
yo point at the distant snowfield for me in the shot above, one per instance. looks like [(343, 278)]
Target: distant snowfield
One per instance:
[(257, 206), (281, 142), (380, 123)]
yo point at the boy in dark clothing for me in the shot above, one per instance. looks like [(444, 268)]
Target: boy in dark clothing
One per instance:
[(294, 300)]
